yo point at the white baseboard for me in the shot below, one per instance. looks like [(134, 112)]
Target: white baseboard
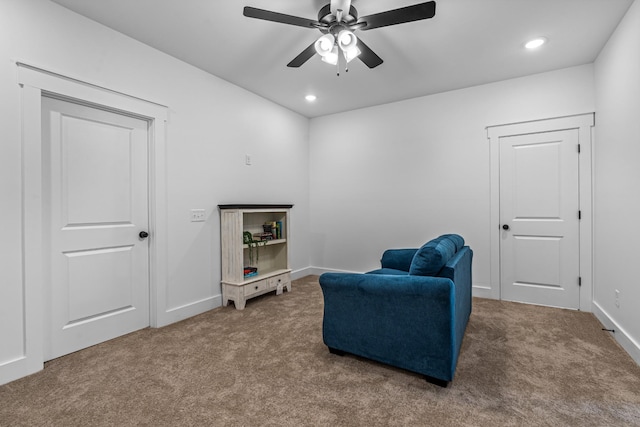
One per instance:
[(482, 292), (317, 271), (177, 314), (627, 342), (18, 368), (303, 272)]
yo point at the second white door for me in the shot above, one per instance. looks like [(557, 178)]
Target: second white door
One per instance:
[(96, 202), (539, 214)]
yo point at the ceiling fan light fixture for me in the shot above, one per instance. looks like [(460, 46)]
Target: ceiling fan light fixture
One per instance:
[(325, 45), (337, 21)]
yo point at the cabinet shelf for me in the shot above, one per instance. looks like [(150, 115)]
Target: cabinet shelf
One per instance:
[(269, 243)]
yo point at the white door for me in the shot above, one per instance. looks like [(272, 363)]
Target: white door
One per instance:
[(539, 215), (95, 186)]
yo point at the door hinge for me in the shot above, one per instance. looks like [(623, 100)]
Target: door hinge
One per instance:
[(579, 214), (578, 148), (579, 281)]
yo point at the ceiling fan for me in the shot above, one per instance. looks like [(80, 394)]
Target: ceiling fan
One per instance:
[(337, 22)]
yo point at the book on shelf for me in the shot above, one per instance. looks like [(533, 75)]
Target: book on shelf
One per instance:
[(263, 236), (273, 227), (250, 271)]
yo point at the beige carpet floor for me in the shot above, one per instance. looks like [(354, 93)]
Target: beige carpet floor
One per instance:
[(520, 365)]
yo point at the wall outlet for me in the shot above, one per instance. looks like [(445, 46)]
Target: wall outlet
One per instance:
[(198, 215), (617, 298), (247, 159)]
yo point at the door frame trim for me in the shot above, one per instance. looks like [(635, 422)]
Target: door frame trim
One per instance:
[(584, 123), (34, 83)]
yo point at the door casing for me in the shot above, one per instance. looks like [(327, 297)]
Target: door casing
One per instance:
[(36, 82), (584, 123)]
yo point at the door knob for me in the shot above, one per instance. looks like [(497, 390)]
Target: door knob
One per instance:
[(505, 227), (143, 234)]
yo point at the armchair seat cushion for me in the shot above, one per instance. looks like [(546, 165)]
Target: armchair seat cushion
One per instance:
[(390, 271)]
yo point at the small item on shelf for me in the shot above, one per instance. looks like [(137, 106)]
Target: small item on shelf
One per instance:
[(263, 236), (271, 230), (250, 271)]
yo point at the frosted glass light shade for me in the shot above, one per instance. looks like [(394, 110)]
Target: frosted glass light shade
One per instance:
[(325, 44), (348, 43), (347, 40), (331, 57), (351, 54)]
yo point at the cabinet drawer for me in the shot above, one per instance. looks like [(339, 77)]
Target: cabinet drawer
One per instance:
[(255, 288), (282, 280)]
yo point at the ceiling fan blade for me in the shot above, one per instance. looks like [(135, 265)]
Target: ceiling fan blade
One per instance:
[(400, 16), (304, 56), (368, 56), (268, 15)]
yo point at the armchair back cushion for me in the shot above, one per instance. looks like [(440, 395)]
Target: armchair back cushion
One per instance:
[(457, 240), (433, 255)]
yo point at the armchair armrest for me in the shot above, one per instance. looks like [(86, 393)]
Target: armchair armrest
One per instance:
[(398, 259)]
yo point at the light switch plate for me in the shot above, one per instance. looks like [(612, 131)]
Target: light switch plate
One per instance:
[(198, 215)]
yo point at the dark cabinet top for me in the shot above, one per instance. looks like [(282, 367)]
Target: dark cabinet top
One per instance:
[(255, 206)]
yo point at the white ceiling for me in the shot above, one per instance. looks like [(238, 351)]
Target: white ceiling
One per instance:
[(467, 43)]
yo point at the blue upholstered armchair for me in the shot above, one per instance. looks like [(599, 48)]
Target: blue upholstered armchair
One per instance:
[(411, 313)]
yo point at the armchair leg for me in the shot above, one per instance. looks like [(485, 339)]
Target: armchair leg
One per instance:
[(436, 381), (336, 351)]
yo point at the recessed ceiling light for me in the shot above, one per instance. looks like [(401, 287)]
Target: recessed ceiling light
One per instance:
[(310, 98), (535, 43)]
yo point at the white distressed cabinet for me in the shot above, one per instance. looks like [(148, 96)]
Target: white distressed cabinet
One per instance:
[(270, 258)]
